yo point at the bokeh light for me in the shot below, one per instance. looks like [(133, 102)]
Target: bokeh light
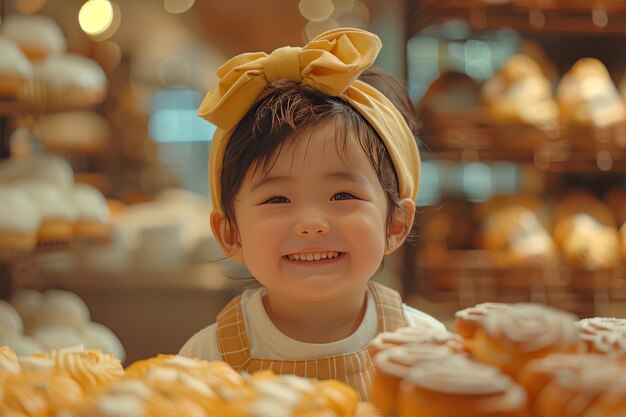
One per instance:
[(95, 16), (177, 6), (316, 10)]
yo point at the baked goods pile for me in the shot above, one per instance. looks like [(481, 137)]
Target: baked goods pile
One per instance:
[(36, 321), (83, 383), (517, 360), (585, 95), (40, 72), (41, 205)]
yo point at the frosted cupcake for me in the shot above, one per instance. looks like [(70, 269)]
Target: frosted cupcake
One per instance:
[(37, 35), (19, 221), (15, 69)]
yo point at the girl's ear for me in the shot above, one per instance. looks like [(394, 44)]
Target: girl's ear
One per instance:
[(227, 236), (400, 226)]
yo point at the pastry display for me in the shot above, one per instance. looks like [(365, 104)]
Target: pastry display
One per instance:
[(68, 80), (515, 235), (92, 220), (15, 69), (587, 96), (520, 92), (469, 389), (37, 35), (516, 335), (603, 335)]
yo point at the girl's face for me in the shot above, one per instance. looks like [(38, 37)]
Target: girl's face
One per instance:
[(314, 226)]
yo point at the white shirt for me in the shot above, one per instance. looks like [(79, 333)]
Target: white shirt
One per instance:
[(267, 342)]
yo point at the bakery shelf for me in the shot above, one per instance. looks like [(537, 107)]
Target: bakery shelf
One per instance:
[(463, 278), (530, 16), (474, 137)]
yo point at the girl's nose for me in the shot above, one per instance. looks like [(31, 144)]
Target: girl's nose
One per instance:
[(312, 227)]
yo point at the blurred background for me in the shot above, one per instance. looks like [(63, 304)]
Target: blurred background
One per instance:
[(103, 161)]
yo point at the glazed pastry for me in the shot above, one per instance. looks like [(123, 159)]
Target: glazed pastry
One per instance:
[(573, 396), (588, 97), (90, 368), (603, 335), (447, 389), (612, 402), (15, 69), (521, 333), (520, 92), (516, 236), (37, 35), (414, 336), (38, 394), (586, 243), (468, 320), (539, 373), (394, 364), (216, 372)]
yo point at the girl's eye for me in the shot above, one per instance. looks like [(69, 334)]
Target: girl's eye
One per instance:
[(277, 200), (342, 196)]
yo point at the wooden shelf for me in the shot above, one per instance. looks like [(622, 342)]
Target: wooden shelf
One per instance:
[(602, 17)]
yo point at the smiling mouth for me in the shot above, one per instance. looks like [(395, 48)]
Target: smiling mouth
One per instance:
[(313, 256)]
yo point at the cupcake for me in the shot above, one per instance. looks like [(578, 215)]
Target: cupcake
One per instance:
[(58, 214), (66, 80), (92, 222), (15, 69), (37, 35), (19, 221)]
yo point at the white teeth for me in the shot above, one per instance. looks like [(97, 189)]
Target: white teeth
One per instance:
[(312, 256)]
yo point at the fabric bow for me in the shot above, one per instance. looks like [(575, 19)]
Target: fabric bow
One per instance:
[(331, 63)]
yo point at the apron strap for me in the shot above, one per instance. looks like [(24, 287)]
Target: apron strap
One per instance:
[(389, 307), (231, 335)]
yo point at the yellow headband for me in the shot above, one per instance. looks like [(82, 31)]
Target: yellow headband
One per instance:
[(331, 62)]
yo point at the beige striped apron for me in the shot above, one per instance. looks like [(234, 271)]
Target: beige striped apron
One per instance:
[(355, 369)]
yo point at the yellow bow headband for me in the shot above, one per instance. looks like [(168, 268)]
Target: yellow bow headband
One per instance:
[(331, 62)]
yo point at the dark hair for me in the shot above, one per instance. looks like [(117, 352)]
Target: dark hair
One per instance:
[(286, 113), (396, 92)]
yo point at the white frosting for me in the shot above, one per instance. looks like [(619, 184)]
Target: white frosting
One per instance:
[(35, 32), (49, 201), (97, 336), (285, 394), (182, 361), (270, 407), (71, 70), (162, 374), (133, 387), (36, 363), (460, 378), (196, 385), (9, 366), (60, 307), (13, 63), (10, 320), (17, 211), (89, 203), (120, 406), (49, 168), (73, 128), (57, 337)]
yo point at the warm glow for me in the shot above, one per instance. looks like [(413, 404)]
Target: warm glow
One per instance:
[(29, 6), (108, 54), (313, 29), (113, 27), (95, 16), (316, 10), (177, 6)]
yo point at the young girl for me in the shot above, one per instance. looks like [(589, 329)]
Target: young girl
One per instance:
[(313, 177)]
